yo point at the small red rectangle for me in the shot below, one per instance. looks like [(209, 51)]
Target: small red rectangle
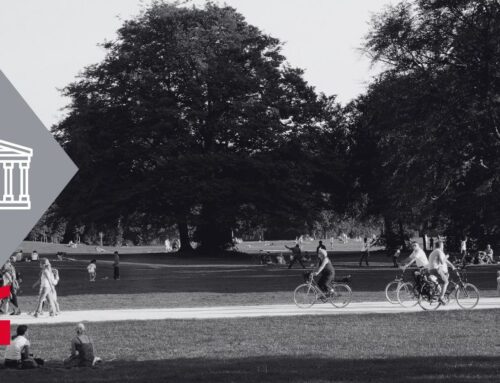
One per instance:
[(4, 332), (4, 292)]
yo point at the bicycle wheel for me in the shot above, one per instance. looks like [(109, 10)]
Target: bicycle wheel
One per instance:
[(467, 296), (407, 295), (305, 296), (341, 295), (429, 302), (391, 292)]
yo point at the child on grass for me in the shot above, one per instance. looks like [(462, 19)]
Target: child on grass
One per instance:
[(92, 269), (116, 267)]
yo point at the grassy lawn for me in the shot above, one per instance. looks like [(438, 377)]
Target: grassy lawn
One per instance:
[(153, 286), (422, 347)]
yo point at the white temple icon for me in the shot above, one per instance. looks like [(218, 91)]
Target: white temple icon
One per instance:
[(15, 161)]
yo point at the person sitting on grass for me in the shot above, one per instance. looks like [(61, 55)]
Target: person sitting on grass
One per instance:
[(326, 271), (82, 350), (17, 354), (92, 269)]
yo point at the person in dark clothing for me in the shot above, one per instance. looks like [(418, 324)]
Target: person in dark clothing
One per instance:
[(116, 267), (320, 246), (325, 271), (365, 253), (296, 256), (396, 255), (82, 350)]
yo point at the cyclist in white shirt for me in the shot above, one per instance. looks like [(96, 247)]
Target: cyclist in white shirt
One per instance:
[(438, 266), (417, 256)]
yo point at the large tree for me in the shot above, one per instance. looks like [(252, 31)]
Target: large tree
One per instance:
[(431, 121), (194, 117)]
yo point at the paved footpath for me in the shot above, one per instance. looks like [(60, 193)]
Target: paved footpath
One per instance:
[(232, 312)]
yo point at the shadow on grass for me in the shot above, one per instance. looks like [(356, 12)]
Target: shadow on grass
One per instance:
[(287, 369)]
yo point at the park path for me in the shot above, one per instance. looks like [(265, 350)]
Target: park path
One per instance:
[(232, 312)]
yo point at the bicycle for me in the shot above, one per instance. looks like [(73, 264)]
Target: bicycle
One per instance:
[(307, 294), (426, 293), (392, 288)]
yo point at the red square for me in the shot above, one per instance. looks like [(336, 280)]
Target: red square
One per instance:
[(4, 332), (4, 292)]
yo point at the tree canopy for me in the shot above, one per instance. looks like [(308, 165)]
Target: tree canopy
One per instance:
[(430, 121), (194, 117)]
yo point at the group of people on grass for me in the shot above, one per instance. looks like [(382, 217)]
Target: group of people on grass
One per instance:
[(47, 282), (92, 268), (18, 354)]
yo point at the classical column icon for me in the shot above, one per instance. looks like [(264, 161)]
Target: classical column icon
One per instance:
[(15, 162)]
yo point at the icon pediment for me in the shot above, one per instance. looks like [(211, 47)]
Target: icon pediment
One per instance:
[(10, 150)]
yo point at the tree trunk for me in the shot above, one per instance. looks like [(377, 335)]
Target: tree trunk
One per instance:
[(390, 236), (184, 236), (213, 234), (401, 232)]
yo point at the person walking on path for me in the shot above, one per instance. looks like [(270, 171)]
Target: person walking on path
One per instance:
[(365, 253), (47, 290), (296, 255), (9, 278), (116, 267)]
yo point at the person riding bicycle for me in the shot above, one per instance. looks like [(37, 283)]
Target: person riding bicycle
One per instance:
[(326, 270), (438, 266), (417, 256)]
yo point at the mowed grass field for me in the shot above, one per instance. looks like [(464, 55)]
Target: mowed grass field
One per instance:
[(423, 347), (152, 283)]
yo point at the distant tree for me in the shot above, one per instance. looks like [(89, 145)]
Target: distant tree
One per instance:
[(428, 142)]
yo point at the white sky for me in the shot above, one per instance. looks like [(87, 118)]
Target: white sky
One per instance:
[(44, 44)]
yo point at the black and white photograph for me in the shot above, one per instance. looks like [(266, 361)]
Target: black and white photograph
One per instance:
[(250, 191)]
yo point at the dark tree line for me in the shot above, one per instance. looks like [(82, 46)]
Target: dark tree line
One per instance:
[(430, 121), (195, 120)]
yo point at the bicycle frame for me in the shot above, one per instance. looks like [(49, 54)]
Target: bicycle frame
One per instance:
[(312, 283)]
